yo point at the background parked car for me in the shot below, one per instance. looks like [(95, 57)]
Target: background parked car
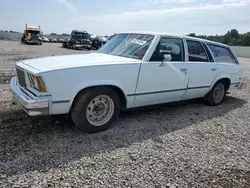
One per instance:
[(60, 40), (98, 42), (45, 39), (110, 37), (52, 40)]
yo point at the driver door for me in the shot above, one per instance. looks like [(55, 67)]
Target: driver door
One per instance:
[(161, 82)]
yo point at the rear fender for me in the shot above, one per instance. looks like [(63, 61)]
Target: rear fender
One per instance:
[(217, 78)]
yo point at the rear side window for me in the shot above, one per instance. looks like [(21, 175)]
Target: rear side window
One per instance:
[(196, 52), (221, 54)]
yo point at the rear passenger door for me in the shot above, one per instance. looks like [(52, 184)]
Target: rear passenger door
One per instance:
[(201, 69)]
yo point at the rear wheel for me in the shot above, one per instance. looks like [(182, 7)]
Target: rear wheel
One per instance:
[(96, 109), (217, 94)]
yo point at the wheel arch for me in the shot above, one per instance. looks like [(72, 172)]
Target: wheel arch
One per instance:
[(117, 89), (222, 78)]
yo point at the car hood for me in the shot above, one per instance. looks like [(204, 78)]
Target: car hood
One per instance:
[(71, 61)]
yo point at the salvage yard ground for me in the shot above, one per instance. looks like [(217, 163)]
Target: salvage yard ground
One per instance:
[(184, 144)]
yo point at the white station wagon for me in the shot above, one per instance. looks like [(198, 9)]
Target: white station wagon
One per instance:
[(130, 70)]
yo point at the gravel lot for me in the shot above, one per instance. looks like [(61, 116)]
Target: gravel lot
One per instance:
[(183, 144)]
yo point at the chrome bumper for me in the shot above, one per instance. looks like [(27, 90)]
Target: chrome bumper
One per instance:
[(30, 104), (83, 45), (240, 85)]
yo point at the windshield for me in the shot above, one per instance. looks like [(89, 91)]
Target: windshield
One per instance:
[(33, 32), (128, 45), (82, 35)]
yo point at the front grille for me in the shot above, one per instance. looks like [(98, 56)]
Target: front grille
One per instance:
[(21, 77)]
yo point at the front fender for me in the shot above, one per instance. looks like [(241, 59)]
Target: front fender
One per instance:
[(96, 83)]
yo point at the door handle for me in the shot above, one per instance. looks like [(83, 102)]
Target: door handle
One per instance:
[(214, 69), (183, 69)]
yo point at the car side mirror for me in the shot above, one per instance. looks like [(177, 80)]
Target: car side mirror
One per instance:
[(166, 58)]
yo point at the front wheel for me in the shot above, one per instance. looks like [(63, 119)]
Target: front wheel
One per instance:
[(96, 109), (216, 95)]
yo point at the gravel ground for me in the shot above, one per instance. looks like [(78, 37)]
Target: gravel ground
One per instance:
[(183, 144), (12, 51)]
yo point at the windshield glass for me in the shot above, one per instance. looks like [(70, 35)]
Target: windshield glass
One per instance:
[(82, 35), (128, 45), (33, 32)]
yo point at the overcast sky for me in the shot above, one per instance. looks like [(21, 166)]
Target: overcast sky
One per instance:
[(110, 16)]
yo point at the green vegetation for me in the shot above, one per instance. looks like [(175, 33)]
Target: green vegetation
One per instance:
[(232, 38)]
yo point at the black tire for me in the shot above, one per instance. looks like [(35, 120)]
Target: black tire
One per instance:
[(209, 98), (80, 107), (63, 45)]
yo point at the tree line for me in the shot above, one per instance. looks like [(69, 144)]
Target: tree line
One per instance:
[(232, 38), (9, 31)]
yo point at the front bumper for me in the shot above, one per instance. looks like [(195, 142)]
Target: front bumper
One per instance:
[(83, 45), (32, 41), (32, 105), (240, 85)]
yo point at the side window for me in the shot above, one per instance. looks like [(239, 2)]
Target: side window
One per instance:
[(222, 54), (196, 52), (171, 46)]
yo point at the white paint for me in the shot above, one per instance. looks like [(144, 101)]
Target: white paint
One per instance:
[(54, 63), (154, 78), (200, 74)]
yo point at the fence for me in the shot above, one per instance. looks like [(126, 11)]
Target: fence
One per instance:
[(18, 36), (242, 51)]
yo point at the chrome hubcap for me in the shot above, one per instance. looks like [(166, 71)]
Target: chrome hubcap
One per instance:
[(218, 93), (100, 110)]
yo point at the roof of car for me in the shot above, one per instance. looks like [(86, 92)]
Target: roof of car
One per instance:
[(33, 27), (177, 36), (79, 31)]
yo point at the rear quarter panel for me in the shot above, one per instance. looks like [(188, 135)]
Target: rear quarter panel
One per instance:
[(231, 71), (63, 85)]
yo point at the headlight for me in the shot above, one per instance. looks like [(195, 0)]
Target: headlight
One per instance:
[(37, 83)]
